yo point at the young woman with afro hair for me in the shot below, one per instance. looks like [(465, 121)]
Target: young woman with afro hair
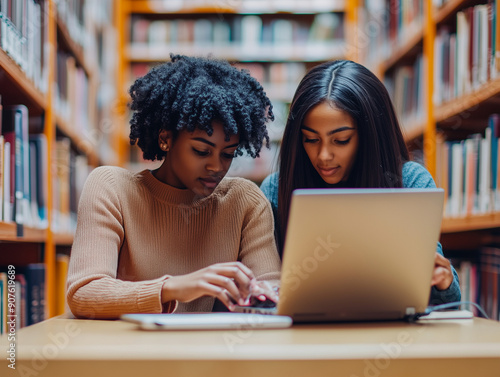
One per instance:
[(177, 238)]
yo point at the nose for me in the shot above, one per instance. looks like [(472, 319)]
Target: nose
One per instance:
[(324, 153), (215, 165)]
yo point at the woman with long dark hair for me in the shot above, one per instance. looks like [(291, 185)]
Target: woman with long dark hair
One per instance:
[(342, 132)]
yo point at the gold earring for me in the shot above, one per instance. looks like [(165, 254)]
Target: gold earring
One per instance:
[(164, 147)]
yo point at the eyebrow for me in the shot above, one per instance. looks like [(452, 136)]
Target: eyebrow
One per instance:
[(329, 132), (212, 144)]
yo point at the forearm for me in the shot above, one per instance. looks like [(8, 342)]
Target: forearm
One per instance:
[(106, 297)]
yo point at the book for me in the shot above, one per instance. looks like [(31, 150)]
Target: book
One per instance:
[(7, 205), (2, 147), (34, 274), (16, 124), (3, 302), (21, 303), (62, 265), (39, 186)]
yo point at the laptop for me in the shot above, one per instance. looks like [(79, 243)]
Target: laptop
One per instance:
[(207, 321), (358, 254)]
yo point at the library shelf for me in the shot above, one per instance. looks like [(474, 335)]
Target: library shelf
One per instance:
[(24, 91), (84, 145), (240, 7), (413, 130), (468, 223), (449, 9), (311, 52), (486, 92), (8, 233), (411, 44), (74, 48), (63, 239)]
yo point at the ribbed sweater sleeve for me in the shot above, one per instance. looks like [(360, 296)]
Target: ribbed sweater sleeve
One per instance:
[(93, 289)]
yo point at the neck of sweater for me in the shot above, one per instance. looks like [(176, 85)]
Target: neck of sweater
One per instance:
[(167, 193)]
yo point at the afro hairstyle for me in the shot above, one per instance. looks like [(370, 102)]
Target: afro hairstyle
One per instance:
[(189, 93)]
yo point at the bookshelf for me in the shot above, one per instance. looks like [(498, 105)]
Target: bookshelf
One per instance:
[(52, 63), (277, 41), (456, 133)]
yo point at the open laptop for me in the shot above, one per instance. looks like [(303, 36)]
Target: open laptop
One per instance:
[(358, 254)]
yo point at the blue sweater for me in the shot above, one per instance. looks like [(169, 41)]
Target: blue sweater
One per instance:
[(414, 176)]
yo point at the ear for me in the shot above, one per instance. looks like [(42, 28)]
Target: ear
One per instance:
[(165, 140)]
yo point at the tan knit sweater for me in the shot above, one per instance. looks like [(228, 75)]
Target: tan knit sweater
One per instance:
[(134, 232)]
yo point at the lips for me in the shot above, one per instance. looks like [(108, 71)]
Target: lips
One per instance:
[(210, 182), (328, 171)]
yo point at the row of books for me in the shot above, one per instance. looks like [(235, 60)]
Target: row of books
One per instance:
[(479, 278), (72, 13), (405, 86), (468, 170), (23, 30), (386, 25), (72, 93), (246, 30), (70, 170), (403, 15), (24, 174), (469, 57), (23, 171), (26, 295)]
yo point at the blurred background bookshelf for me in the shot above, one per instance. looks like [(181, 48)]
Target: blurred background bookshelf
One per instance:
[(57, 85), (277, 41)]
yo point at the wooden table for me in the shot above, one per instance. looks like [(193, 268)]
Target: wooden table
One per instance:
[(73, 348)]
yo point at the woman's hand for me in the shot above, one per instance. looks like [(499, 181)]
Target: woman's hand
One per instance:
[(442, 276), (263, 290), (222, 280)]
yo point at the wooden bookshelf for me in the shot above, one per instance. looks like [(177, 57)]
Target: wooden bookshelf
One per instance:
[(8, 232), (16, 87), (413, 130), (240, 7), (410, 45), (63, 239), (449, 9), (74, 48), (313, 52), (463, 224), (82, 143), (487, 93), (23, 87)]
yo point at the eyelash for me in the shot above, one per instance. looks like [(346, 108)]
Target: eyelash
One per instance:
[(229, 156), (339, 142), (343, 142), (306, 140)]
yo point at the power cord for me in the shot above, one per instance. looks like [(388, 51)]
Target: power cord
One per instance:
[(448, 305)]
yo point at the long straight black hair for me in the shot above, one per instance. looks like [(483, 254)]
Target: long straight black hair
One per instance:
[(349, 87)]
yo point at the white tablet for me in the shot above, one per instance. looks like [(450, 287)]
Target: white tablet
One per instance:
[(208, 321)]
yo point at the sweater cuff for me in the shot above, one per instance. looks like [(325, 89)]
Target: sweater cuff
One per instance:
[(451, 294), (169, 307), (149, 300)]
